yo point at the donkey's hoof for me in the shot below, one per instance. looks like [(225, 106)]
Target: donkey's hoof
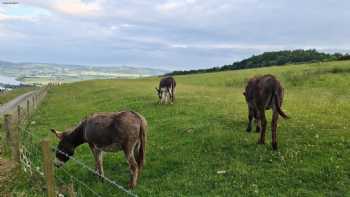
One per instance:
[(131, 185), (261, 142), (100, 178)]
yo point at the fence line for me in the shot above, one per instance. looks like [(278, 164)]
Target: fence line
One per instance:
[(94, 172), (37, 168), (82, 164), (81, 183), (15, 116)]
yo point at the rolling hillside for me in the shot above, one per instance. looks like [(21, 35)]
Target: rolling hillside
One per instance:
[(43, 73), (199, 147), (273, 58)]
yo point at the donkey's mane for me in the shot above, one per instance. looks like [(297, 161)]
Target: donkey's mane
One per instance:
[(76, 135)]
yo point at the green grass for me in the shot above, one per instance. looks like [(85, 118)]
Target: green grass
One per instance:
[(204, 132)]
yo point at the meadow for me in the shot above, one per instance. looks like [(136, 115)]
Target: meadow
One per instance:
[(199, 147)]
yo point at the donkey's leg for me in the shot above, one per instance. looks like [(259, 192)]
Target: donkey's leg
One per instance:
[(136, 150), (137, 156), (171, 98), (133, 166), (173, 94), (263, 127), (163, 98), (258, 125), (250, 119), (168, 98), (98, 159), (274, 128), (257, 120)]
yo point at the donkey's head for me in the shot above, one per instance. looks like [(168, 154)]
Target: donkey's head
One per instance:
[(245, 96), (159, 93), (65, 148), (249, 98)]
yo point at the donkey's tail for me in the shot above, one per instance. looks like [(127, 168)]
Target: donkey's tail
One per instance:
[(278, 106), (173, 86), (143, 140)]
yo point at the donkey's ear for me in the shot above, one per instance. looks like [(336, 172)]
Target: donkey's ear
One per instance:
[(157, 89), (245, 94), (58, 134)]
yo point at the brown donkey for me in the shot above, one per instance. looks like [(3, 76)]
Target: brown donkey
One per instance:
[(263, 93), (107, 132)]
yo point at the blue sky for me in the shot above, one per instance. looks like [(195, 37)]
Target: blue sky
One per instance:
[(170, 34)]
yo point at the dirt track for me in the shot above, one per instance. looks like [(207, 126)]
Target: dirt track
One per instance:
[(11, 105)]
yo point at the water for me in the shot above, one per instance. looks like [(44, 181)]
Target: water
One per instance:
[(9, 80)]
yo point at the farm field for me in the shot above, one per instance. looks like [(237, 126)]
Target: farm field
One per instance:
[(198, 146)]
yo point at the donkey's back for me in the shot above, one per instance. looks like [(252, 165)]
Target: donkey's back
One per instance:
[(108, 128), (168, 82)]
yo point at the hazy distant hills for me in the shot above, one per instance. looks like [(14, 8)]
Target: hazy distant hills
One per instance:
[(46, 72)]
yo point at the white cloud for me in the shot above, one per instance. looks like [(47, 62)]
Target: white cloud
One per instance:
[(78, 7), (5, 17), (176, 32), (21, 13), (212, 46), (6, 34), (175, 5)]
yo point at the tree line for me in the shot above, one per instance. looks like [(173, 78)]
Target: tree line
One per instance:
[(275, 58)]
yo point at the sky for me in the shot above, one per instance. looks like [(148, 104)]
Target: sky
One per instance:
[(168, 34)]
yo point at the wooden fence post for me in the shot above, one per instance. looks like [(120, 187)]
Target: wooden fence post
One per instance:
[(28, 109), (48, 168), (12, 137), (19, 115), (7, 128), (33, 103)]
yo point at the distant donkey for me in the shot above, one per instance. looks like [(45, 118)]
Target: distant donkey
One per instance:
[(109, 132), (263, 93), (166, 90)]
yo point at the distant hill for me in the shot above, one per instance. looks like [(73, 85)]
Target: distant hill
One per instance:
[(46, 72), (5, 63), (272, 59)]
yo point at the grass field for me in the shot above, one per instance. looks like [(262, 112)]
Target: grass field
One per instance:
[(204, 132)]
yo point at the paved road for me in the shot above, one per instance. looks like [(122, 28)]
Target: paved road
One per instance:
[(11, 105)]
